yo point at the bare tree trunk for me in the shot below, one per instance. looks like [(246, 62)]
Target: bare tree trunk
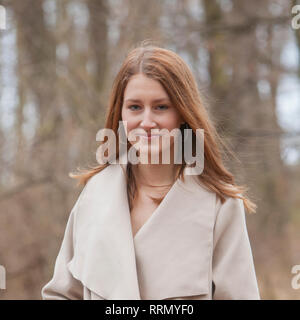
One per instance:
[(98, 32), (38, 61)]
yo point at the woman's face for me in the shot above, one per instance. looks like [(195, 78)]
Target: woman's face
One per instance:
[(146, 106)]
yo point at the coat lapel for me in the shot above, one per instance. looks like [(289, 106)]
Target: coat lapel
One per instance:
[(104, 256), (174, 247)]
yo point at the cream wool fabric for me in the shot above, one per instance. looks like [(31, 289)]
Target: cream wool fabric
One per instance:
[(192, 247)]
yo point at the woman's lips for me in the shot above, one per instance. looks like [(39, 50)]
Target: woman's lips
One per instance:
[(148, 137)]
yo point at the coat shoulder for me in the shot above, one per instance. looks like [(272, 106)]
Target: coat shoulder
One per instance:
[(232, 206), (100, 191), (102, 176)]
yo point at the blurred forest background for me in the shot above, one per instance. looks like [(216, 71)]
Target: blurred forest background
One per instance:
[(58, 59)]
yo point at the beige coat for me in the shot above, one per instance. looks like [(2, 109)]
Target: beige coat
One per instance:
[(192, 247)]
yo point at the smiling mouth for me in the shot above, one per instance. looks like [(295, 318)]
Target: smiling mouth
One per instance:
[(148, 136)]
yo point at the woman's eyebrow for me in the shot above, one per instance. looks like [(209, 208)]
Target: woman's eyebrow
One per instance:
[(155, 100)]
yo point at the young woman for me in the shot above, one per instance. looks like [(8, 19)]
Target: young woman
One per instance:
[(152, 231)]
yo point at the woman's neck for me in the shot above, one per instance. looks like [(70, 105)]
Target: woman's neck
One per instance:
[(155, 175)]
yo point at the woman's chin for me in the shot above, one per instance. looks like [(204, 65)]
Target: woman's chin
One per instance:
[(153, 155)]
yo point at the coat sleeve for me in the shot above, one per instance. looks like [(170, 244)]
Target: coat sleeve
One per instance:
[(63, 286), (233, 271)]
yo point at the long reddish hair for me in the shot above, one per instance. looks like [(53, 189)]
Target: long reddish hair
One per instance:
[(174, 75)]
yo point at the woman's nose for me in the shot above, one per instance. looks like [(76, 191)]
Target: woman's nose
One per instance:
[(148, 121)]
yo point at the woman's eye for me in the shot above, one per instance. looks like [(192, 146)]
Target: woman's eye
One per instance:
[(134, 107), (162, 107)]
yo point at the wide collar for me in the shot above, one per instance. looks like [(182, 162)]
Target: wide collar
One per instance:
[(104, 248)]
